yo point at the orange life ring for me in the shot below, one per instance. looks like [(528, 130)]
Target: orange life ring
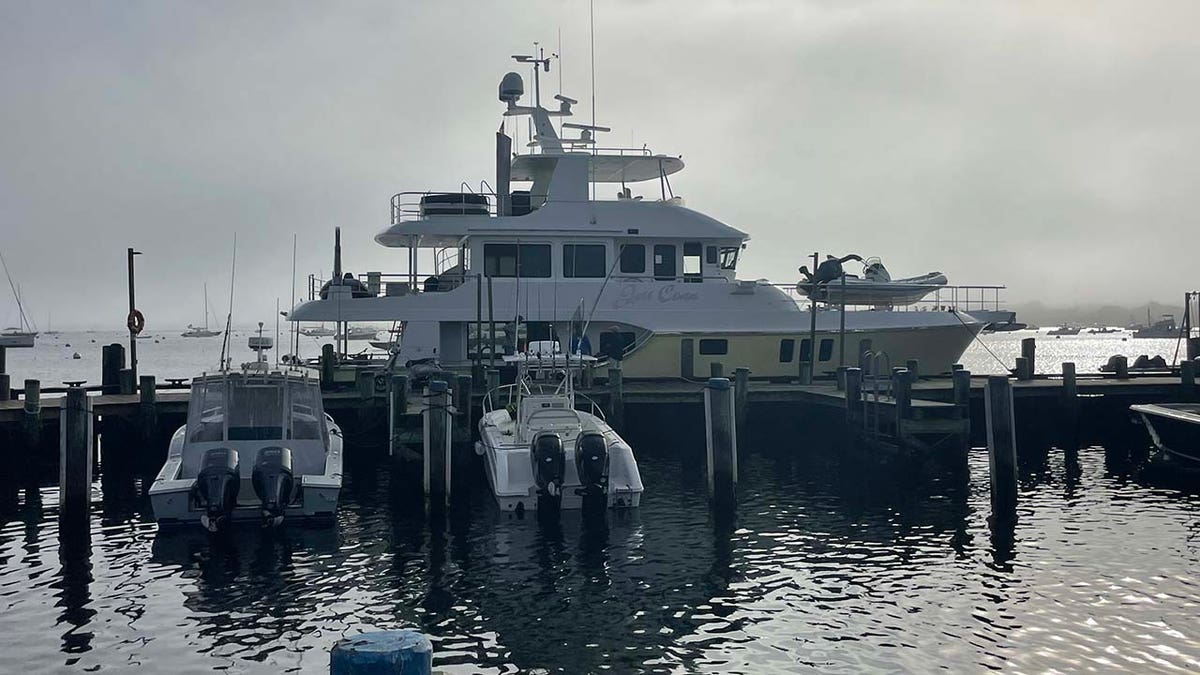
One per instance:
[(136, 322)]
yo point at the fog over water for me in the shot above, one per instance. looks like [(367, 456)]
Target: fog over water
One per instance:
[(1046, 146)]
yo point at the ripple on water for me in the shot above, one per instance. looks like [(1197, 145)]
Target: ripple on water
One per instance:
[(874, 573)]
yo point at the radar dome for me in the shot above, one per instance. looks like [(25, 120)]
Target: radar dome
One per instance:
[(512, 87)]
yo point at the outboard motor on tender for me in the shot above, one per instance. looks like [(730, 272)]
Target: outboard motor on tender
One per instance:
[(273, 482), (549, 463), (217, 486), (591, 462)]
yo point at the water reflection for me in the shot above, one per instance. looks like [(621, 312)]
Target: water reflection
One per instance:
[(831, 562)]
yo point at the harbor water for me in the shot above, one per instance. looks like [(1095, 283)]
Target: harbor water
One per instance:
[(828, 566)]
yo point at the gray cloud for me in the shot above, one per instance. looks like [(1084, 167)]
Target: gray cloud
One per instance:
[(1048, 146)]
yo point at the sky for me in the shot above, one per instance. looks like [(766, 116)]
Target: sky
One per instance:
[(1047, 146)]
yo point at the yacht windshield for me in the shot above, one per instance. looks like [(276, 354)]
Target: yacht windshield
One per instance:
[(307, 417)]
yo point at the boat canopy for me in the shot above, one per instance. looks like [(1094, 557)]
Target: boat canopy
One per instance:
[(607, 168)]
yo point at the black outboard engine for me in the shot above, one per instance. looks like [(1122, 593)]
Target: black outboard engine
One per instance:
[(591, 462), (217, 486), (549, 463), (273, 482)]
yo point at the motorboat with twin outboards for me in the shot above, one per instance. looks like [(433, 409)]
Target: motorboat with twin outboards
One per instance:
[(257, 446), (657, 280), (542, 451)]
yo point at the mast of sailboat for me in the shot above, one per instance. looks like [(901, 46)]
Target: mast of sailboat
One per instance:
[(16, 294)]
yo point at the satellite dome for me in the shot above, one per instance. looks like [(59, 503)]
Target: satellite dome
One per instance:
[(512, 87)]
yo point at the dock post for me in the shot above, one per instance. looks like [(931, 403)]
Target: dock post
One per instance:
[(914, 369), (148, 411), (3, 360), (493, 379), (721, 434), (961, 380), (328, 362), (864, 354), (902, 393), (5, 386), (462, 401), (741, 397), (112, 361), (437, 443), (1029, 351), (126, 382), (1070, 402), (716, 369), (1122, 367), (854, 397), (387, 652), (1192, 349), (32, 431), (1023, 371), (397, 408), (1187, 374), (364, 382), (1002, 446), (75, 457), (616, 397)]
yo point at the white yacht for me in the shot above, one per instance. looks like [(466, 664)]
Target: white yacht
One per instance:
[(257, 446), (540, 447), (657, 280)]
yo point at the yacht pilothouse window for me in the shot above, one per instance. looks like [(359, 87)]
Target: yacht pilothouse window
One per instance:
[(692, 251), (633, 259), (584, 261), (517, 260), (729, 257), (664, 262)]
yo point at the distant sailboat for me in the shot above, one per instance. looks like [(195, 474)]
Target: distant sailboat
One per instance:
[(198, 332), (24, 334)]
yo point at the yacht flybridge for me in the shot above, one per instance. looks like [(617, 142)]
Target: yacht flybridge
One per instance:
[(639, 277)]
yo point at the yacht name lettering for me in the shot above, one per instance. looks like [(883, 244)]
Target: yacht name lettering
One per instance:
[(631, 296)]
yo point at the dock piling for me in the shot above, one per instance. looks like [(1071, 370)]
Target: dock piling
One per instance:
[(716, 369), (437, 443), (1029, 351), (721, 434), (389, 652), (462, 402), (112, 361), (5, 386), (364, 382), (397, 408), (32, 433), (616, 397), (126, 382), (1023, 370), (902, 391), (854, 404), (493, 379), (961, 382), (1187, 375), (1192, 349), (75, 456), (741, 397), (1002, 446), (148, 409), (328, 363)]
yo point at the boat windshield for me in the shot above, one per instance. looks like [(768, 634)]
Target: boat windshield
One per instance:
[(307, 416), (206, 411), (255, 412)]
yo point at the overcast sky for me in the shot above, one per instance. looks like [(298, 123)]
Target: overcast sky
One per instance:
[(1049, 146)]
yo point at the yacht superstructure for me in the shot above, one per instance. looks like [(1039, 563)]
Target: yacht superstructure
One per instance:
[(641, 278)]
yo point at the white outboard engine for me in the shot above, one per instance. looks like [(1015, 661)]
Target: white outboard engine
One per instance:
[(217, 486), (549, 463), (591, 462), (273, 482)]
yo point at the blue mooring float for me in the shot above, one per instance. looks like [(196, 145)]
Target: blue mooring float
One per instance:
[(395, 652)]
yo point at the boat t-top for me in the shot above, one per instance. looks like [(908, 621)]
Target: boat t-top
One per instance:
[(658, 279), (257, 446), (543, 451)]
